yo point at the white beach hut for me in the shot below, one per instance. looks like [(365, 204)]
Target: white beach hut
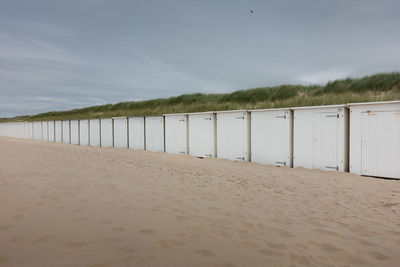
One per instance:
[(45, 131), (94, 130), (154, 132), (120, 125), (176, 133), (375, 139), (202, 134), (271, 136), (66, 133), (37, 130), (84, 132), (50, 126), (106, 132), (58, 131), (74, 125), (233, 135), (136, 134), (321, 137)]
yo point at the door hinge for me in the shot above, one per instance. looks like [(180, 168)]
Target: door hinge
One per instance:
[(333, 116), (281, 117), (208, 155), (182, 152), (240, 118), (242, 158), (330, 167), (208, 119), (281, 162)]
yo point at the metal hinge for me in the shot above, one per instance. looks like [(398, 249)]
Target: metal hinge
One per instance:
[(208, 155), (182, 120), (281, 117), (242, 158), (208, 119), (333, 116), (240, 118), (281, 162), (182, 152), (330, 167)]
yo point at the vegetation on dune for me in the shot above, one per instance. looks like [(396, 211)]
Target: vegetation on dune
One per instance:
[(378, 87)]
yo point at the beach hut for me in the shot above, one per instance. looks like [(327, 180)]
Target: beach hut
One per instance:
[(37, 130), (74, 125), (375, 139), (106, 132), (271, 136), (66, 133), (50, 126), (202, 134), (321, 137), (84, 132), (176, 133), (120, 125), (58, 131), (233, 135), (94, 130), (45, 131), (154, 132), (136, 133)]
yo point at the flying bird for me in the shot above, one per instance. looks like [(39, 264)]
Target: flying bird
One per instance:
[(251, 11)]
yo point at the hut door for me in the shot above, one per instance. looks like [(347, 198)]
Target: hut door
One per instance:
[(325, 141), (380, 147)]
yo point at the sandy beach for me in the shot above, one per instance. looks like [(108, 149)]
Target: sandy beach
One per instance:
[(66, 205)]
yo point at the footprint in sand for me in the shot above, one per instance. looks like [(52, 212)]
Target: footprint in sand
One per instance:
[(203, 252), (146, 231), (378, 256), (118, 229), (43, 239), (6, 227), (17, 240), (127, 250), (267, 252), (3, 259)]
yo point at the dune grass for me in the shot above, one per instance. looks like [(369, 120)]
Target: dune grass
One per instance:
[(378, 87)]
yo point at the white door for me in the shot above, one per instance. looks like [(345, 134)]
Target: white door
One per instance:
[(84, 132), (270, 135), (154, 134), (201, 135), (120, 132), (94, 132), (136, 133), (325, 141), (176, 134), (380, 149), (106, 133), (232, 136)]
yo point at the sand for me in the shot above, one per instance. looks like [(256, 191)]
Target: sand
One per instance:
[(66, 205)]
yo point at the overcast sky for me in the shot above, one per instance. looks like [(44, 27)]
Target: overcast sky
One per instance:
[(57, 55)]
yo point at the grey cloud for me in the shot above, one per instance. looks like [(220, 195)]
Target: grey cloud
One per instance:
[(68, 54)]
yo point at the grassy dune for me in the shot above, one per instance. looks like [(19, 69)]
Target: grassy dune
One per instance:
[(378, 87)]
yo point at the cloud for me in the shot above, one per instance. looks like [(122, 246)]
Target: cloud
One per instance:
[(63, 55)]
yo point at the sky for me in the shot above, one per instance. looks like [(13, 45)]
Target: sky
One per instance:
[(60, 55)]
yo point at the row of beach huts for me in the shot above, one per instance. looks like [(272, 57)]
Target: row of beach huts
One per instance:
[(361, 138)]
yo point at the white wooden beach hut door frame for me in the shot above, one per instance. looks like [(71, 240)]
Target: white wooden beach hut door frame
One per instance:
[(202, 134), (271, 136), (380, 145), (233, 135), (176, 134), (120, 126)]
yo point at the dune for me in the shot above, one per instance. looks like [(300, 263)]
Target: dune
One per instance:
[(66, 205)]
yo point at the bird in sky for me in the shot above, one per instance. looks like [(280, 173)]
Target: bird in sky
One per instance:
[(251, 11)]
